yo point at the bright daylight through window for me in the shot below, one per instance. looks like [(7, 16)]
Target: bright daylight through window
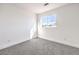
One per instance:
[(49, 21)]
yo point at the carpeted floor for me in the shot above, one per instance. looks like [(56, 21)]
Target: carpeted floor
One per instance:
[(40, 47)]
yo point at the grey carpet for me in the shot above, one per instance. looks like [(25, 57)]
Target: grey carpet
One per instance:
[(40, 47)]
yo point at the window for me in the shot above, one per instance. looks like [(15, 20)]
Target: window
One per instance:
[(49, 21)]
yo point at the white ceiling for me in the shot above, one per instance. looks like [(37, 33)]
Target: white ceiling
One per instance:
[(39, 7)]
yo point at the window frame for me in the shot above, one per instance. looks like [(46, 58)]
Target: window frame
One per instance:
[(53, 21)]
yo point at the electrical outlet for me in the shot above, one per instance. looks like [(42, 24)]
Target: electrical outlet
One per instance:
[(8, 40), (65, 39)]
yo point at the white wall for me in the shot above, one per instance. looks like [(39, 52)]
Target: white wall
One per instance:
[(15, 25), (67, 30)]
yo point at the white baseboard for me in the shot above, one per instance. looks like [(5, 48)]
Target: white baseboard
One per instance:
[(59, 42), (9, 45)]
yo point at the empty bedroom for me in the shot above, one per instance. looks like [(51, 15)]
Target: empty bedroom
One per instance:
[(39, 28)]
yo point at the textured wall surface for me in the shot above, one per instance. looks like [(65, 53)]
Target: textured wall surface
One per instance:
[(67, 25), (15, 24)]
